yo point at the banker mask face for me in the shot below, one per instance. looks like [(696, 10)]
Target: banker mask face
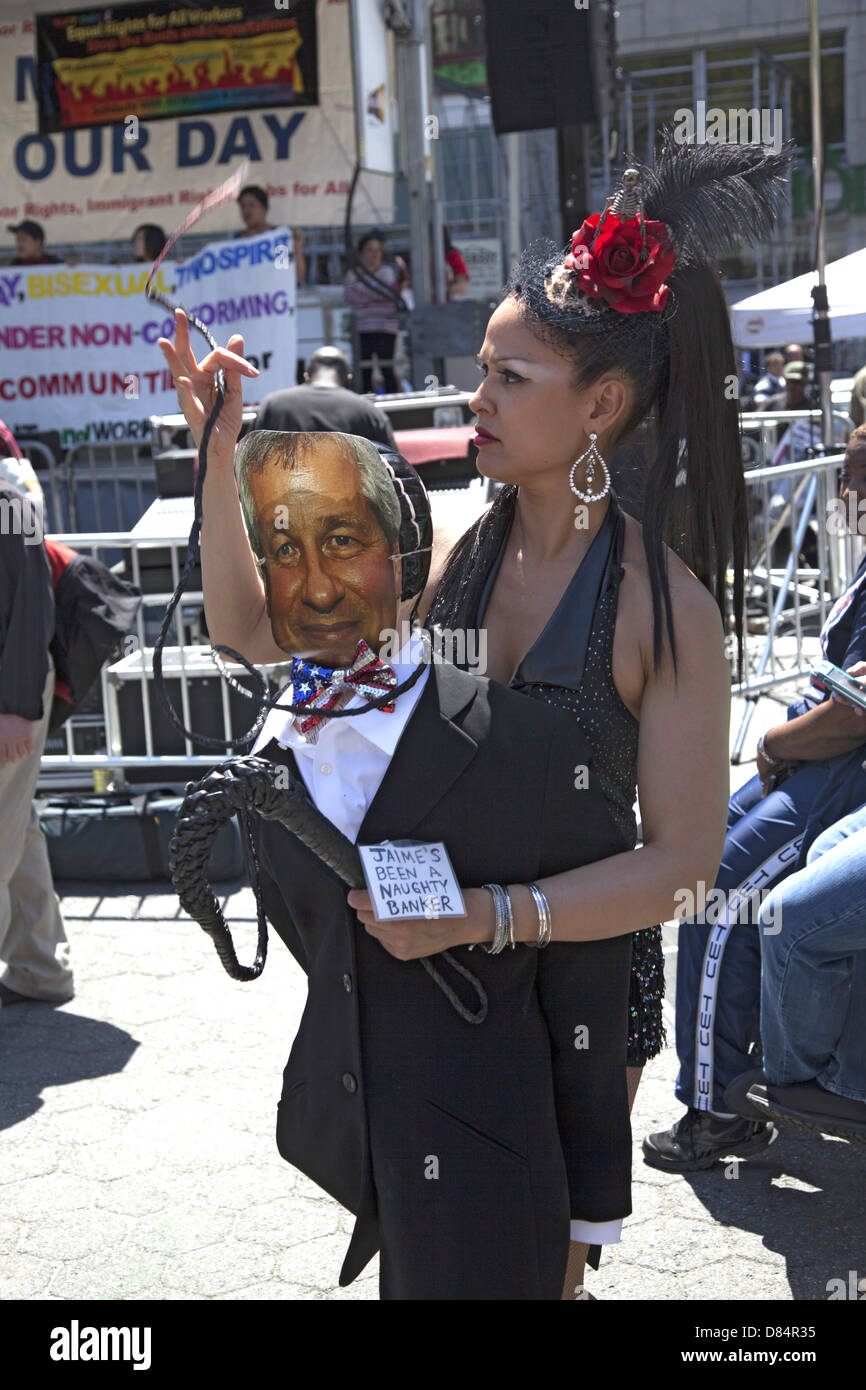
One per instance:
[(331, 575)]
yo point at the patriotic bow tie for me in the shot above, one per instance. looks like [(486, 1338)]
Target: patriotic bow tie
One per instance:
[(321, 687)]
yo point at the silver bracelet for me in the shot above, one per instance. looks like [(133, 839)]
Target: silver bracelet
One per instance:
[(545, 924), (502, 904), (505, 901), (768, 757)]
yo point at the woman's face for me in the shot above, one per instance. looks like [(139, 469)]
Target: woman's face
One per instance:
[(139, 249), (540, 423), (252, 211), (372, 255)]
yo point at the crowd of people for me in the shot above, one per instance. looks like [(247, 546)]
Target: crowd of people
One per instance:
[(601, 641)]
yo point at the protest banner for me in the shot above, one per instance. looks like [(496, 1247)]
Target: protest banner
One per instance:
[(97, 183), (78, 343)]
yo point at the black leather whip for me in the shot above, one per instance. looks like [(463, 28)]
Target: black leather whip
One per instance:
[(253, 785)]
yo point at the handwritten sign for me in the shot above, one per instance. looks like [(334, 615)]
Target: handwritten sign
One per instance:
[(407, 878)]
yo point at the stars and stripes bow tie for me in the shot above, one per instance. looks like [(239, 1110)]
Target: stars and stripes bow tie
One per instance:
[(321, 687)]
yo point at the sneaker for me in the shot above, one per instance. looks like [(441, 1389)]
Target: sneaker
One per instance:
[(699, 1139), (8, 997)]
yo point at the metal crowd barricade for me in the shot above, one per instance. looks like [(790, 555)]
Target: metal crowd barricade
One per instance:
[(184, 663), (44, 461), (374, 363), (793, 497), (762, 438), (121, 481), (792, 595)]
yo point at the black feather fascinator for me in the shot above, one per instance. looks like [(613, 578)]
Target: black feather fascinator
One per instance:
[(712, 197)]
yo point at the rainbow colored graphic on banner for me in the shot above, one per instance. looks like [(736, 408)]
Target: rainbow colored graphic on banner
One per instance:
[(159, 62)]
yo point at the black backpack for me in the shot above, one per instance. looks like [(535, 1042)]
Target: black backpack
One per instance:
[(94, 609)]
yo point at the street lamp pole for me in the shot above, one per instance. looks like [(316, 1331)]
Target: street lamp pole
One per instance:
[(820, 311), (418, 127)]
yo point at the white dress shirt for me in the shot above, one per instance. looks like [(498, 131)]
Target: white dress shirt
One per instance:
[(344, 768), (343, 771)]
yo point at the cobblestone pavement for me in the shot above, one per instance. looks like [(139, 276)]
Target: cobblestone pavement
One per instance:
[(138, 1161), (137, 1155)]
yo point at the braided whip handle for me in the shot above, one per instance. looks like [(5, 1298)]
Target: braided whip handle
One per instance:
[(246, 785), (256, 785)]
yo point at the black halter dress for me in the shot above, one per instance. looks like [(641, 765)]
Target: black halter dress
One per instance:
[(571, 666)]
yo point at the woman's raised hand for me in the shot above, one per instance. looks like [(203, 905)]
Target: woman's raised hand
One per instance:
[(196, 387)]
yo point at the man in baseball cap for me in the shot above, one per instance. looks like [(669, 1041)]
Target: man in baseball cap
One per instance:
[(796, 395), (30, 245)]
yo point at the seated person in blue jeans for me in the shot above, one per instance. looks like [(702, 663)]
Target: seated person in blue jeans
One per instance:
[(810, 773), (813, 992)]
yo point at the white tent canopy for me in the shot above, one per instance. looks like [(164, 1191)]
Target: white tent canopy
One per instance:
[(783, 314)]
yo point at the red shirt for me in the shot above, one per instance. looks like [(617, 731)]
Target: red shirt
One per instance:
[(457, 263)]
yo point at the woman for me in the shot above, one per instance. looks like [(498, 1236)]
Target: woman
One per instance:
[(580, 350), (562, 375), (375, 310), (253, 204)]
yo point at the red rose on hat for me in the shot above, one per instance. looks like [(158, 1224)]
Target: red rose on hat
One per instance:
[(613, 270)]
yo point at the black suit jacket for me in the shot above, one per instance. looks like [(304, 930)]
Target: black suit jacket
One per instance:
[(525, 1115)]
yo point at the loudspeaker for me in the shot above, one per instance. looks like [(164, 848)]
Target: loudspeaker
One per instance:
[(549, 63)]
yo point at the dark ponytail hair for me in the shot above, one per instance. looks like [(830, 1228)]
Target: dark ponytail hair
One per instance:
[(680, 369), (154, 239), (694, 496)]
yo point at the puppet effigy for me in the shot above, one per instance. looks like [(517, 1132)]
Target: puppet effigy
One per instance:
[(439, 1099)]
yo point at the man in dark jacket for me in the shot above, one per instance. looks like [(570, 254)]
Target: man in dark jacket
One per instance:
[(324, 402), (33, 942)]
